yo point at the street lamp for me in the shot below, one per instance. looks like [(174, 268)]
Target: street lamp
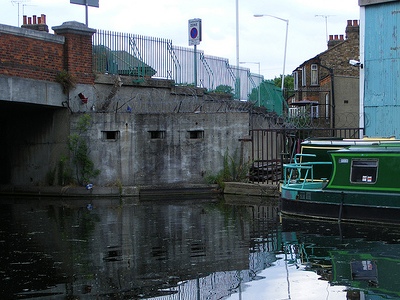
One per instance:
[(259, 73), (284, 55), (237, 81)]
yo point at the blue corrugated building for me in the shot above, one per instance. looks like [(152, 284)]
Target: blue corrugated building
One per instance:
[(380, 67)]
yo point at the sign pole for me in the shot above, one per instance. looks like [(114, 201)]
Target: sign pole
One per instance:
[(87, 13), (194, 39), (195, 65), (87, 3)]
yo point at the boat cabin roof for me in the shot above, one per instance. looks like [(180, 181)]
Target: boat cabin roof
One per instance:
[(349, 142), (378, 148)]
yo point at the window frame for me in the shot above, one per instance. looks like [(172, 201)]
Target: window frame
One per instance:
[(304, 76), (157, 134), (366, 173), (314, 80), (110, 135), (195, 134), (296, 80)]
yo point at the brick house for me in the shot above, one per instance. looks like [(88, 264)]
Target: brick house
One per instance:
[(326, 87)]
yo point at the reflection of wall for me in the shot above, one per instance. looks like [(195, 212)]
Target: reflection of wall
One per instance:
[(155, 245), (99, 247)]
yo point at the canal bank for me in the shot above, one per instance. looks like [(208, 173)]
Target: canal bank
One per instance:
[(231, 188), (106, 191), (251, 189)]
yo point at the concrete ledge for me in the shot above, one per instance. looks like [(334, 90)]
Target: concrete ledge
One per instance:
[(181, 189), (33, 34), (104, 191), (251, 189), (129, 81), (63, 191), (371, 2)]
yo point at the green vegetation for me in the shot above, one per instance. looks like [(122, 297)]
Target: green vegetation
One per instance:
[(233, 170), (64, 172), (288, 84), (224, 89), (60, 174), (84, 166), (66, 80)]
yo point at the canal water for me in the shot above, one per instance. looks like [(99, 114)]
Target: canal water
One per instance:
[(188, 248)]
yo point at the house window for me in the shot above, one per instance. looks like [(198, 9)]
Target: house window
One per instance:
[(296, 80), (293, 112), (314, 111), (326, 106), (314, 74), (303, 76), (110, 135), (364, 170), (157, 134), (196, 134)]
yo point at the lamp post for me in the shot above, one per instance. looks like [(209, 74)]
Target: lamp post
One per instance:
[(259, 73), (237, 81), (284, 55)]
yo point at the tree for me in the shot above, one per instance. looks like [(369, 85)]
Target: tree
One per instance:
[(288, 85), (224, 89)]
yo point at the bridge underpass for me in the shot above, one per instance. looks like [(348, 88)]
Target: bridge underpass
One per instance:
[(33, 139)]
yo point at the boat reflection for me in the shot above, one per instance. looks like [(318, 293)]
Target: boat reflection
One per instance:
[(365, 259)]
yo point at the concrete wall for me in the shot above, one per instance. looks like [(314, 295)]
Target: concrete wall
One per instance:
[(171, 135), (162, 149), (142, 133), (25, 90), (347, 102)]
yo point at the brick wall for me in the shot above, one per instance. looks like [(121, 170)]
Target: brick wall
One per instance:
[(31, 52), (337, 58), (78, 57), (27, 57)]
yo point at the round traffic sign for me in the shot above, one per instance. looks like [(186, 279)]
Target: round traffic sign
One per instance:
[(194, 32)]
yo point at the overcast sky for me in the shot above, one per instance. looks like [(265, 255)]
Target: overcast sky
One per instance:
[(261, 40)]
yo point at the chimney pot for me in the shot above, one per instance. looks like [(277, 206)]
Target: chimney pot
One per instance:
[(24, 18), (336, 37), (330, 37), (342, 37), (355, 22), (349, 23), (38, 23)]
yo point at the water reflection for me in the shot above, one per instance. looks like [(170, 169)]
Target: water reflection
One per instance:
[(195, 248), (131, 248), (363, 257)]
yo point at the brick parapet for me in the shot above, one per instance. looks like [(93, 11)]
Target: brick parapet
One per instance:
[(30, 55), (36, 54)]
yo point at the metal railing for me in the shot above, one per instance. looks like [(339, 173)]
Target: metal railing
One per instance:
[(142, 56), (271, 148)]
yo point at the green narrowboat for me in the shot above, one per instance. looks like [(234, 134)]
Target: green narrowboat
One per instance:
[(319, 147), (364, 184)]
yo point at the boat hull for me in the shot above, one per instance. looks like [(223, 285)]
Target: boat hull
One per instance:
[(342, 205)]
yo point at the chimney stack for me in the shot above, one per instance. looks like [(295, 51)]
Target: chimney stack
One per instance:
[(352, 32), (35, 23), (352, 29), (334, 40)]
